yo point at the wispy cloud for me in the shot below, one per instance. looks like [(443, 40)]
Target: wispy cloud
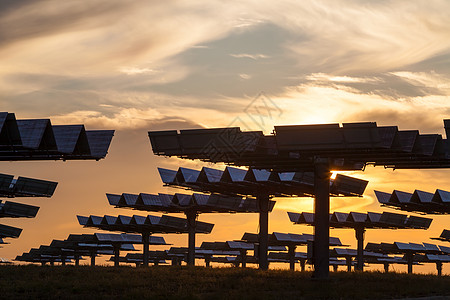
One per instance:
[(251, 56)]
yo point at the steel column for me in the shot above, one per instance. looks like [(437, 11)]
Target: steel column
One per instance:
[(116, 254), (291, 252), (145, 245), (359, 232), (263, 201), (191, 216), (321, 218)]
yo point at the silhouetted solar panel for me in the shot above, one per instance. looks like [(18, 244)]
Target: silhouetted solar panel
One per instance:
[(233, 181), (291, 148), (37, 139), (419, 201), (25, 187), (139, 224), (9, 231), (17, 210)]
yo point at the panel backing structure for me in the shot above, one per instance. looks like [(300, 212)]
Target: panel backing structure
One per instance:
[(38, 139), (190, 204), (418, 201), (77, 246), (21, 187), (362, 221), (289, 240), (317, 148), (261, 185), (414, 253), (146, 226)]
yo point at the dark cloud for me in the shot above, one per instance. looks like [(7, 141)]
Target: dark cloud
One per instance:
[(32, 19)]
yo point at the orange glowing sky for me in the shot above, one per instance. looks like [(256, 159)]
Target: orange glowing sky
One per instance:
[(136, 66)]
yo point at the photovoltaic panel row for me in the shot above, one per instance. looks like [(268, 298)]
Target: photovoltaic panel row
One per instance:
[(140, 224), (349, 147), (38, 139), (183, 202), (445, 236), (10, 209), (366, 220), (418, 201), (9, 231), (234, 181), (287, 239), (401, 248), (25, 187)]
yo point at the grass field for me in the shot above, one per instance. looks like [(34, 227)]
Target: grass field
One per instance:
[(167, 282)]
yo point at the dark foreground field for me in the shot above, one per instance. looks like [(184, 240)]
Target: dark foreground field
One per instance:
[(166, 282)]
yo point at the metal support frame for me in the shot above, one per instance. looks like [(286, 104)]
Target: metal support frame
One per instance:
[(410, 260), (321, 259), (263, 201), (303, 265), (348, 261), (77, 259), (244, 257), (386, 267), (291, 252), (93, 254), (145, 246), (63, 259), (359, 233), (439, 268), (191, 217), (116, 255)]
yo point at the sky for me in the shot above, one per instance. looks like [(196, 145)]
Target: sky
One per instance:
[(136, 66)]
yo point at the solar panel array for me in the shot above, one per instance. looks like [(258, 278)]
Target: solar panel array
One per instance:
[(366, 220), (25, 187), (287, 239), (140, 224), (10, 209), (9, 231), (38, 139), (234, 181), (78, 245), (415, 253), (292, 148), (445, 236), (178, 202), (418, 201)]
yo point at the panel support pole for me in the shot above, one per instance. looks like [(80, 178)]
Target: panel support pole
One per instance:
[(191, 216), (359, 232), (116, 254), (263, 201), (410, 260), (348, 261), (145, 245), (93, 255), (321, 218), (439, 268), (244, 258), (291, 252), (386, 267), (77, 259)]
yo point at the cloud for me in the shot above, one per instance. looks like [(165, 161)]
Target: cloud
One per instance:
[(251, 56)]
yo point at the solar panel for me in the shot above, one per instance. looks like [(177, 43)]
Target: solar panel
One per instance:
[(441, 196), (36, 133), (9, 231), (18, 210), (393, 219), (418, 222), (99, 141), (36, 187), (421, 197)]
